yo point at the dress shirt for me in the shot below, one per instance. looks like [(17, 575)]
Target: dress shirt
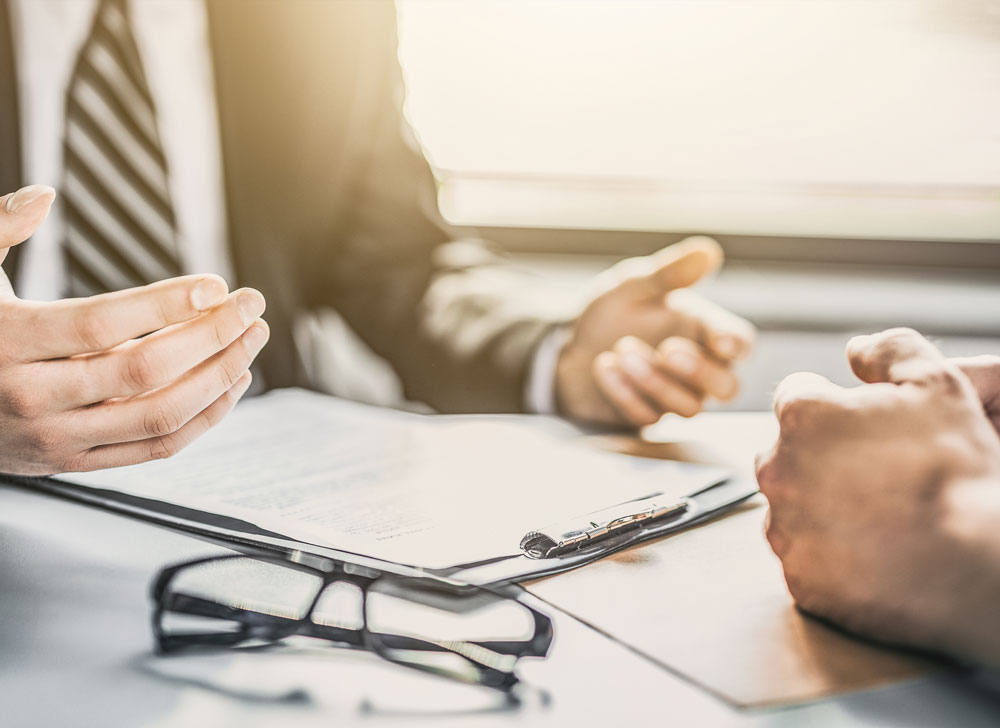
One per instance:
[(173, 41), (172, 36)]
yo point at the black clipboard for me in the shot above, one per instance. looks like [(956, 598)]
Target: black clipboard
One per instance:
[(549, 550)]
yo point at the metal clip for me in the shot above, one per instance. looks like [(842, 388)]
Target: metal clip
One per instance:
[(561, 538)]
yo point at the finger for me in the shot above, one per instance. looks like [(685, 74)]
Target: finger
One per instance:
[(84, 325), (145, 364), (763, 466), (623, 397), (168, 409), (804, 396), (21, 213), (687, 363), (897, 356), (676, 266), (131, 453), (644, 369), (984, 373), (723, 334), (726, 335)]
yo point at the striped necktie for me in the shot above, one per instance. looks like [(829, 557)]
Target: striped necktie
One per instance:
[(120, 225)]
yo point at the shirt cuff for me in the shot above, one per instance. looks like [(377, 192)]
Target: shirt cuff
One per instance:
[(540, 389)]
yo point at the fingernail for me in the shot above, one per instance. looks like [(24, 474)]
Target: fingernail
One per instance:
[(635, 365), (250, 304), (682, 362), (25, 196), (207, 293), (255, 338), (727, 347)]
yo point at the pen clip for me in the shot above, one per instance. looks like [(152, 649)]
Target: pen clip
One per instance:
[(561, 538)]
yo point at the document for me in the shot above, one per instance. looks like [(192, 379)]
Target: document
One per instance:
[(430, 492)]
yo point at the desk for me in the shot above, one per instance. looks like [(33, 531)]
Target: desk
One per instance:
[(75, 651)]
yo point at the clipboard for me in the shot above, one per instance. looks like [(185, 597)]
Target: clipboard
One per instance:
[(579, 541), (462, 500), (551, 549)]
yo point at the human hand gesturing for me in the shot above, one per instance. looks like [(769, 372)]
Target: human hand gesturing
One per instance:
[(80, 391), (647, 345)]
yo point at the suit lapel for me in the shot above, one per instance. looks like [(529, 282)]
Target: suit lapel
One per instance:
[(10, 148), (255, 217), (288, 96)]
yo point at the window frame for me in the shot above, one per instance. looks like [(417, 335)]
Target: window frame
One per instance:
[(962, 256)]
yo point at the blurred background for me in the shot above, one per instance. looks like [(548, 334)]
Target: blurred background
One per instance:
[(846, 153)]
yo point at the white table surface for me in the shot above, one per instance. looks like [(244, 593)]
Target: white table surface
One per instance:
[(75, 650)]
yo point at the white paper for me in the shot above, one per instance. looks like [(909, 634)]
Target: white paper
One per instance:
[(418, 490)]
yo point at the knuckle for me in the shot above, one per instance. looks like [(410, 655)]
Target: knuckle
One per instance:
[(898, 334), (218, 333), (630, 343), (765, 467), (798, 413), (946, 380), (883, 347), (605, 361), (806, 584), (163, 447), (45, 441), (229, 373), (24, 403), (140, 370), (76, 463), (796, 586), (79, 461), (164, 313), (161, 419), (776, 538), (90, 329)]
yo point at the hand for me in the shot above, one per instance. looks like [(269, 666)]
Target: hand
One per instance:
[(79, 391), (885, 499), (646, 345)]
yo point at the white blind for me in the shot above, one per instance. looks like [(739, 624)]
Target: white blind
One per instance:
[(867, 118)]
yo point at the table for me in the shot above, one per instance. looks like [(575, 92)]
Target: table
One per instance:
[(75, 648)]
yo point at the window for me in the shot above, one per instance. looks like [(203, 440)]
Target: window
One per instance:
[(826, 118)]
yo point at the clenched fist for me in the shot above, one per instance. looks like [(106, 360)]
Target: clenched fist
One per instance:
[(885, 498)]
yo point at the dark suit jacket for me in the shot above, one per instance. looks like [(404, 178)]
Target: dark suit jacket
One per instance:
[(330, 204)]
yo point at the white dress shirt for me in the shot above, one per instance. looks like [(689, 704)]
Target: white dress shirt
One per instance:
[(172, 36)]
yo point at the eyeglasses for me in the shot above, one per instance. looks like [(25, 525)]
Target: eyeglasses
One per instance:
[(475, 634)]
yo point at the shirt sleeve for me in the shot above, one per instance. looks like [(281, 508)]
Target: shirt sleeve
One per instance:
[(540, 389)]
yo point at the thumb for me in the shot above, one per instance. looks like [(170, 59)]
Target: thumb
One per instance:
[(21, 213), (681, 265), (897, 356)]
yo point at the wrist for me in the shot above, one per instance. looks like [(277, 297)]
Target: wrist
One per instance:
[(572, 366)]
